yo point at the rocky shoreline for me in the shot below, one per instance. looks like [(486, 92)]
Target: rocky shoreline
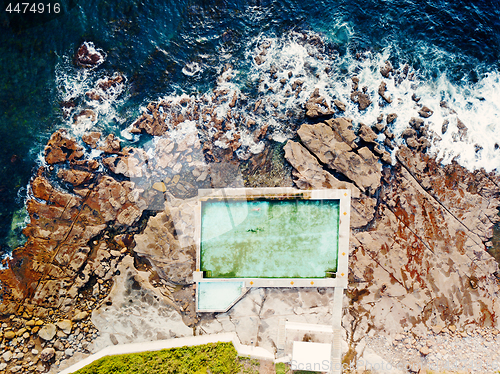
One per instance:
[(110, 245)]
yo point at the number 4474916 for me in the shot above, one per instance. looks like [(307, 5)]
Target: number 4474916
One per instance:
[(33, 8)]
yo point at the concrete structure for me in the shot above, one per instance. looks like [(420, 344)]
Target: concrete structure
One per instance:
[(338, 281), (311, 356)]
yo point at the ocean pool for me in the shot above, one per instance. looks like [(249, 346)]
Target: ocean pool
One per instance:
[(266, 238)]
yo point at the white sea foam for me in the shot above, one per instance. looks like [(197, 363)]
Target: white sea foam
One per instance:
[(92, 50), (284, 72), (81, 112), (191, 68), (475, 105)]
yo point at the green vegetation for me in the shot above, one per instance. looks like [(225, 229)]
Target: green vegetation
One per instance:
[(249, 366), (281, 368), (214, 358)]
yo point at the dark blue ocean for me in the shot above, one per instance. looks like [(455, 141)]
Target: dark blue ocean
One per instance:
[(163, 48)]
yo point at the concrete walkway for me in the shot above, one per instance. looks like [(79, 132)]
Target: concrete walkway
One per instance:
[(243, 350)]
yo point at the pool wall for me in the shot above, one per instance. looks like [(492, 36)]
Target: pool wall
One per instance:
[(279, 193)]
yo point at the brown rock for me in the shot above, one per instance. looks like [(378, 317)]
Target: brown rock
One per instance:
[(60, 148), (65, 325), (317, 106), (9, 335), (462, 129), (379, 127), (171, 256), (337, 155), (91, 139), (367, 134), (310, 174), (60, 227), (424, 351), (259, 59), (106, 88), (260, 133), (343, 127), (340, 105), (47, 354), (111, 144), (87, 56), (386, 69), (321, 140), (416, 123), (75, 177), (129, 215), (469, 197), (79, 316), (436, 329), (85, 116), (425, 112), (47, 332), (355, 83), (124, 240), (408, 132), (430, 222), (362, 99), (386, 158), (308, 171), (381, 91), (424, 144), (391, 118), (412, 142), (444, 128)]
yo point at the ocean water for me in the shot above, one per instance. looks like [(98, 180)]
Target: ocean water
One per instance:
[(169, 49)]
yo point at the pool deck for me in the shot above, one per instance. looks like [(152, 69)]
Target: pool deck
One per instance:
[(278, 282)]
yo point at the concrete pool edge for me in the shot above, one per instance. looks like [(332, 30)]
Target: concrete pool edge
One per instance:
[(340, 280)]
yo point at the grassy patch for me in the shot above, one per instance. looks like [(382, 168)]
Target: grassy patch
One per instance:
[(281, 368), (215, 358), (249, 366)]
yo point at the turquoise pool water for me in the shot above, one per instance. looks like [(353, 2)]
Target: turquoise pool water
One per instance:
[(218, 295), (269, 238)]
